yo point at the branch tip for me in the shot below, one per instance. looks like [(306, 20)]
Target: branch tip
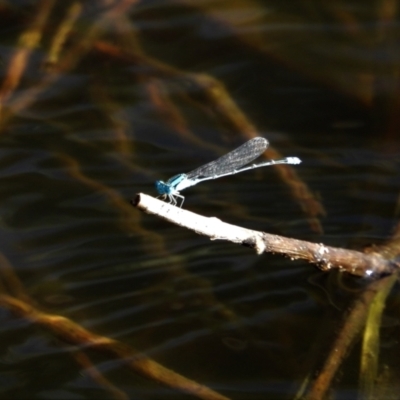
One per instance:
[(136, 200)]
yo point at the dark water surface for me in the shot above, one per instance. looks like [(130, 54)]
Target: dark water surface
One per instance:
[(80, 137)]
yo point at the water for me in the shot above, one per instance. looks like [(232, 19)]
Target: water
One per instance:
[(75, 152)]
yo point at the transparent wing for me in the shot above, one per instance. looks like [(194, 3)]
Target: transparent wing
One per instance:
[(231, 161)]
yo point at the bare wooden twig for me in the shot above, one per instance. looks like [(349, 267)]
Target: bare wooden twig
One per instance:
[(325, 257)]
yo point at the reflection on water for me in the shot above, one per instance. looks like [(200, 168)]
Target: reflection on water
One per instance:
[(99, 101)]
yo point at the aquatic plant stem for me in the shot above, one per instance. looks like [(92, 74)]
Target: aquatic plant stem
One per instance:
[(70, 332)]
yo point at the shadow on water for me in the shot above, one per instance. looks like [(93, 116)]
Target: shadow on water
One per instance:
[(100, 99)]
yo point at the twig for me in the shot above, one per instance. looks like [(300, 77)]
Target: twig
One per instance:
[(325, 257)]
